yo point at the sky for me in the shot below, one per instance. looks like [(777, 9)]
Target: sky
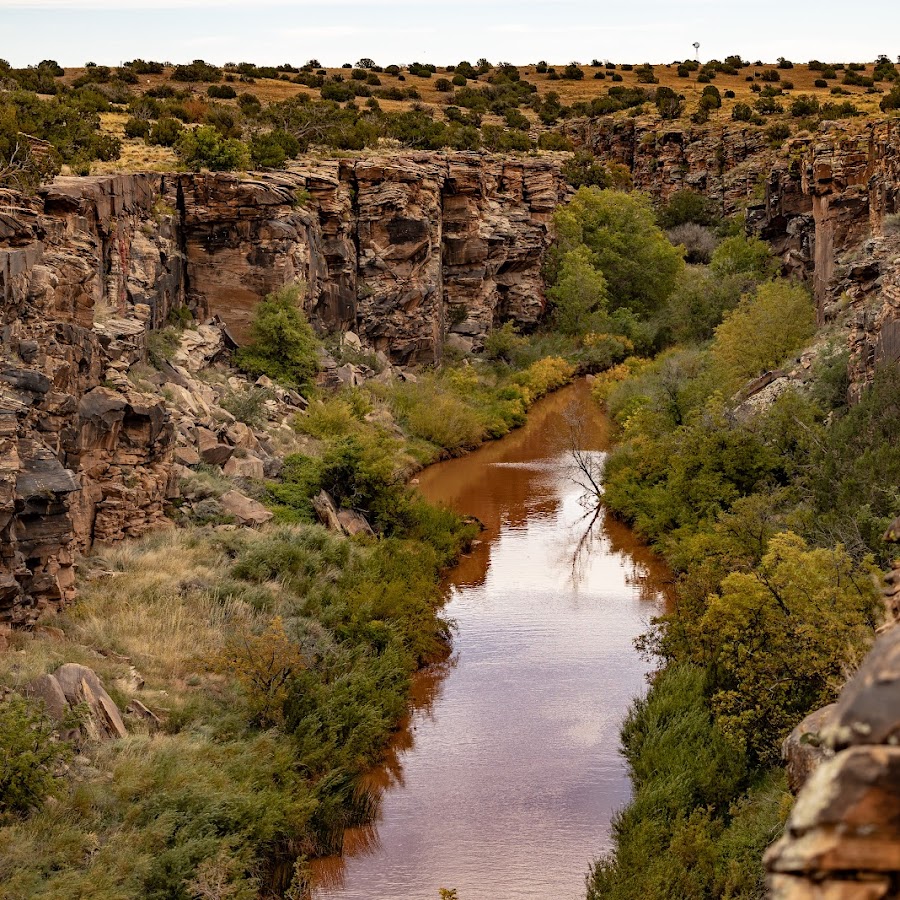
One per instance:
[(270, 32)]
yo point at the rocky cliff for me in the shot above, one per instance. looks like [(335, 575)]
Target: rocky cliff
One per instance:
[(85, 270), (405, 250)]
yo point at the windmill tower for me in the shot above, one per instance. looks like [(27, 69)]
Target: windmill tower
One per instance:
[(697, 51)]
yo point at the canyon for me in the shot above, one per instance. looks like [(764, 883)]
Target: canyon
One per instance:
[(416, 253)]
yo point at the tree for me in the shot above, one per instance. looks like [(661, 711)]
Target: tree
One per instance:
[(284, 346), (638, 262), (205, 148), (783, 637), (762, 331), (264, 665), (741, 255), (579, 292), (29, 756)]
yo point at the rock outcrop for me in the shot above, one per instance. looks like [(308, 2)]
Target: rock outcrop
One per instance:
[(404, 250), (86, 268), (76, 692)]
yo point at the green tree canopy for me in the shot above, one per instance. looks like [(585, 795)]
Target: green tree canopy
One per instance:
[(783, 638), (619, 229), (763, 330), (579, 292)]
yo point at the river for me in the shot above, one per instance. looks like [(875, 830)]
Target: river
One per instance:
[(504, 781)]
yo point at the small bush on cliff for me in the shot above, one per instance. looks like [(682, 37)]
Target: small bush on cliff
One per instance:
[(284, 345), (205, 148), (688, 206)]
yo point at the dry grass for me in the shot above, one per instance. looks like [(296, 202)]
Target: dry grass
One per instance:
[(164, 604), (161, 605)]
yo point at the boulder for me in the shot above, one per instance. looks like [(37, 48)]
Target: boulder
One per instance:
[(804, 748), (326, 511), (248, 466), (187, 456), (212, 450), (246, 510), (79, 685), (46, 689)]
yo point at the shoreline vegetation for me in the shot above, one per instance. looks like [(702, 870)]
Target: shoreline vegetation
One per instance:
[(278, 661)]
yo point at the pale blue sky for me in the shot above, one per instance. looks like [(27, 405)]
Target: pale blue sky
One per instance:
[(401, 31)]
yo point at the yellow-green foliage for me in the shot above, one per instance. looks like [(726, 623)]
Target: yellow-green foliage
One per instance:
[(763, 331), (335, 416), (784, 636), (605, 382), (544, 376), (263, 665), (432, 410)]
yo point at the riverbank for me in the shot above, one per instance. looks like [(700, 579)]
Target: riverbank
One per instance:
[(280, 658)]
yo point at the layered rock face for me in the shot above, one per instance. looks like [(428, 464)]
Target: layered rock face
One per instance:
[(404, 249), (727, 162), (85, 269), (830, 212)]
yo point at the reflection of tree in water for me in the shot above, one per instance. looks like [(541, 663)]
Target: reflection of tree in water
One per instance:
[(601, 532), (649, 574)]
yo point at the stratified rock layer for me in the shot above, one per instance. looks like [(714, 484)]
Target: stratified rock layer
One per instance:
[(404, 249)]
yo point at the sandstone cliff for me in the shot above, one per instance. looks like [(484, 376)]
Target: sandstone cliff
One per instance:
[(405, 250)]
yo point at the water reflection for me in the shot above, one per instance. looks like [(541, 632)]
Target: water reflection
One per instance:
[(505, 777)]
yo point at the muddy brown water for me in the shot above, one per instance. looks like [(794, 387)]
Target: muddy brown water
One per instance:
[(504, 781)]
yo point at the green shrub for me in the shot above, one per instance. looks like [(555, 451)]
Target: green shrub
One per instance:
[(688, 206), (500, 343), (272, 149), (137, 128), (780, 319), (205, 148), (683, 836), (284, 346), (165, 132), (431, 412), (619, 230), (30, 757)]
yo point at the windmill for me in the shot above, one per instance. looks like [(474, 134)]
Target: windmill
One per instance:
[(697, 50)]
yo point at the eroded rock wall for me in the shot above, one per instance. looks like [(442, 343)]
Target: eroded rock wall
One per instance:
[(86, 268), (402, 249)]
